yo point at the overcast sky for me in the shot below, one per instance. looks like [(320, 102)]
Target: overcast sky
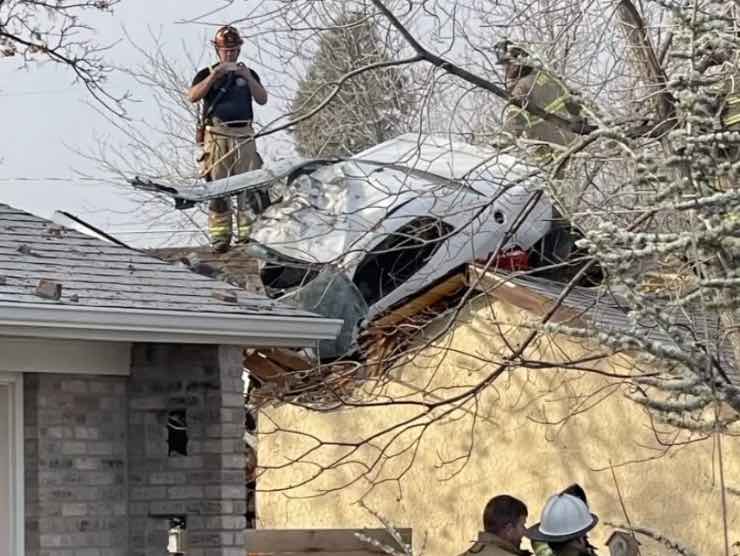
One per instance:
[(46, 118)]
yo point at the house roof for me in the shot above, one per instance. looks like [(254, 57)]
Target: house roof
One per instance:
[(116, 287), (602, 307), (235, 266)]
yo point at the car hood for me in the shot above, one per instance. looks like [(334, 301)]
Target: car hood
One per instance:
[(331, 215)]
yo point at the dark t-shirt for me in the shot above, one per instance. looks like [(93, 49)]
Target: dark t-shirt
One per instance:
[(235, 104)]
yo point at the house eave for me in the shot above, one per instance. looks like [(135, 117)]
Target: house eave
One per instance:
[(141, 325)]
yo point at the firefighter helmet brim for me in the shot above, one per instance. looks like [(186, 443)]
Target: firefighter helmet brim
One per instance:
[(564, 518), (227, 37)]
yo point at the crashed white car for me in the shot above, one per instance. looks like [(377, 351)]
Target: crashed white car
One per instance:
[(356, 237)]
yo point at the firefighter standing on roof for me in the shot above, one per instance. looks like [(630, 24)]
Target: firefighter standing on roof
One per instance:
[(531, 85), (227, 89)]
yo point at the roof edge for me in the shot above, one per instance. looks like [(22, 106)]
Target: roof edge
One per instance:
[(141, 325)]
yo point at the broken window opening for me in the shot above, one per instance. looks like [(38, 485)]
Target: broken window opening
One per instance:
[(176, 535), (177, 432), (399, 256), (250, 451), (251, 514)]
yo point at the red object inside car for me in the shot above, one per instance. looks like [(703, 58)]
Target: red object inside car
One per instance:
[(513, 259)]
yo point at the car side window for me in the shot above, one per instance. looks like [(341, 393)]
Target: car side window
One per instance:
[(399, 256)]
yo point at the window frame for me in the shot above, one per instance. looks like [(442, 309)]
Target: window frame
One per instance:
[(14, 414)]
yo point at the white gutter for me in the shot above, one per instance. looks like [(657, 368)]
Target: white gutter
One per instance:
[(182, 327)]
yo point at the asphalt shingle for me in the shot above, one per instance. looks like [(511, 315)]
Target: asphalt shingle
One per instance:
[(608, 311), (94, 273)]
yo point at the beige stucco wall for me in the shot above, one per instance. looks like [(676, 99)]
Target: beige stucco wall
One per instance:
[(511, 450)]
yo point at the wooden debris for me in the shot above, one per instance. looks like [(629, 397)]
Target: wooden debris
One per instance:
[(194, 262), (285, 374), (388, 336), (376, 355), (501, 287), (265, 369), (443, 290), (49, 289), (225, 296), (235, 266), (287, 359)]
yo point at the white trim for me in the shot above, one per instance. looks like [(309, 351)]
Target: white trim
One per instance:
[(139, 325), (50, 355), (15, 382)]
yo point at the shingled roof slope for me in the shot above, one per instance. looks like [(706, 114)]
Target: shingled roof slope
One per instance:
[(94, 273), (235, 266), (609, 312)]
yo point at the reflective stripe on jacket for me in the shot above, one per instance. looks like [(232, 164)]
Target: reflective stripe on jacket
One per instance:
[(731, 113), (549, 94)]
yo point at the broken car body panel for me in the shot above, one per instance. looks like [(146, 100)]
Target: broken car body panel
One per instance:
[(249, 181), (420, 209), (385, 224)]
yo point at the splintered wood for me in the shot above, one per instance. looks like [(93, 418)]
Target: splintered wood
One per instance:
[(285, 375), (501, 287), (385, 340)]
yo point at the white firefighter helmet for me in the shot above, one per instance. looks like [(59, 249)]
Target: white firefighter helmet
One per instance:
[(564, 517)]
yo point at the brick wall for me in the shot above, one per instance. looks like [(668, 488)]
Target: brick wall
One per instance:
[(101, 479), (206, 486), (75, 451)]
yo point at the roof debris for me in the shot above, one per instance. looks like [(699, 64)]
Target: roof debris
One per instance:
[(98, 272), (55, 231), (225, 295), (49, 289), (235, 266), (193, 261)]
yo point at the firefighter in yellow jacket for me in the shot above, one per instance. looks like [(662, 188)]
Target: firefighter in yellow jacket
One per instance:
[(731, 112), (227, 89), (531, 85), (723, 68), (731, 121)]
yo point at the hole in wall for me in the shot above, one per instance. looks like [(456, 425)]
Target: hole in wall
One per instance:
[(176, 535), (177, 432), (399, 256)]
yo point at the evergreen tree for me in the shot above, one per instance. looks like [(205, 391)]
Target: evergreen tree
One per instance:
[(370, 108)]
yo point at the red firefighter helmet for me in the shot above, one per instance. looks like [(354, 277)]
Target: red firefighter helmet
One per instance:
[(227, 37)]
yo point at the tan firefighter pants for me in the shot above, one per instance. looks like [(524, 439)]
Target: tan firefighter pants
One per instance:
[(229, 151)]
